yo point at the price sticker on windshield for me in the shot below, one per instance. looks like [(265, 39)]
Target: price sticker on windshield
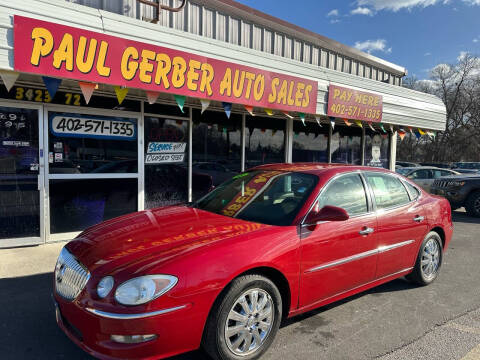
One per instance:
[(93, 127)]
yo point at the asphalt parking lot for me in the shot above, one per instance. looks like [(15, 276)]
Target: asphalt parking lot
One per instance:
[(394, 321)]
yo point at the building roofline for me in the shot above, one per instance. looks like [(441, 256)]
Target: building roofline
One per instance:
[(277, 24)]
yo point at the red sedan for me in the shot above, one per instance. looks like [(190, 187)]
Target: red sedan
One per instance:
[(221, 273)]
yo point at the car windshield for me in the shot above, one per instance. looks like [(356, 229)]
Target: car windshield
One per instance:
[(267, 197)]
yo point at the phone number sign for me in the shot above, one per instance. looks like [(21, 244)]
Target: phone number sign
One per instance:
[(352, 104)]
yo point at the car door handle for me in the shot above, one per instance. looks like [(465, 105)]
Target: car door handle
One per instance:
[(366, 231), (418, 218)]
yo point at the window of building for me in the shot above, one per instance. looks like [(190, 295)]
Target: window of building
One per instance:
[(388, 190), (264, 141), (310, 142), (166, 161), (346, 192), (80, 144), (377, 147), (347, 145), (216, 149)]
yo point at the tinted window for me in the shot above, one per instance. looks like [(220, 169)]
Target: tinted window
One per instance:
[(421, 174), (388, 190), (414, 192), (348, 193), (268, 197), (440, 173)]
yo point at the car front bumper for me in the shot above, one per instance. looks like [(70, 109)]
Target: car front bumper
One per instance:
[(178, 330), (456, 196)]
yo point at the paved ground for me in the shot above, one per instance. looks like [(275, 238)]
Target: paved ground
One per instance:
[(394, 321)]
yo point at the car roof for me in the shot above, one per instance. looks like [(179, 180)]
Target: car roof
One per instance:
[(425, 168), (316, 168)]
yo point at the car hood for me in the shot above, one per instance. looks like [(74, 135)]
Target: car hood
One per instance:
[(155, 235)]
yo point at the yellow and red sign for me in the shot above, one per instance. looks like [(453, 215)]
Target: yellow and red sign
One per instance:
[(347, 103), (55, 50)]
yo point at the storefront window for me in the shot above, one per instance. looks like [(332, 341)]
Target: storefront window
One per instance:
[(264, 141), (310, 142), (377, 149), (81, 144), (347, 145), (19, 169), (166, 162), (78, 204), (216, 149)]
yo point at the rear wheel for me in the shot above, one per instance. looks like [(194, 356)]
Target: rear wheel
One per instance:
[(472, 205), (245, 320), (429, 260)]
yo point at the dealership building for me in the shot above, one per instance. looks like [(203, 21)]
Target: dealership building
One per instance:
[(113, 106)]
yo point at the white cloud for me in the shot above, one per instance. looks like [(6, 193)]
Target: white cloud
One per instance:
[(362, 11), (427, 54), (395, 5), (472, 2), (373, 45), (334, 21), (333, 12), (475, 40)]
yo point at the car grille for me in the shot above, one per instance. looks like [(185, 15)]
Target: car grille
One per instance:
[(70, 276), (440, 183)]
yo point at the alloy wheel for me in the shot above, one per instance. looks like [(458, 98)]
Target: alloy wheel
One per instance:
[(430, 259)]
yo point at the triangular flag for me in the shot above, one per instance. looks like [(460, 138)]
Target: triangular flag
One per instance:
[(391, 128), (180, 99), (121, 93), (9, 78), (421, 131), (317, 118), (87, 90), (401, 134), (332, 122), (249, 109), (383, 129), (371, 127), (348, 123), (51, 84), (434, 134), (302, 117), (269, 111), (228, 108), (287, 114), (359, 123), (429, 134), (205, 104), (411, 130), (152, 96), (417, 134)]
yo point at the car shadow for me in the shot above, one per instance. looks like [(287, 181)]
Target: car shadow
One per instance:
[(462, 217)]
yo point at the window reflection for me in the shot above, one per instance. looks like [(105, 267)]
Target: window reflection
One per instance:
[(264, 141), (347, 145), (310, 142), (216, 148), (81, 143)]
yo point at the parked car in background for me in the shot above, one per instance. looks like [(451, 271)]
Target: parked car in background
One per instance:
[(472, 166), (437, 165), (424, 176), (222, 273), (467, 171), (406, 164), (461, 190)]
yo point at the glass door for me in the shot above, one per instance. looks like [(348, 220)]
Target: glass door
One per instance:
[(21, 175)]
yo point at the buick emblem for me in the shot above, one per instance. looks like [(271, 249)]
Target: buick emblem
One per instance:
[(61, 272)]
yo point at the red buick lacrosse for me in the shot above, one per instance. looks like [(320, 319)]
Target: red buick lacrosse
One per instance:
[(222, 273)]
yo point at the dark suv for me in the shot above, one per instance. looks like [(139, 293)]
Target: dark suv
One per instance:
[(460, 190)]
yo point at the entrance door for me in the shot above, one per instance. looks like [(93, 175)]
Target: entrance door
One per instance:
[(21, 175)]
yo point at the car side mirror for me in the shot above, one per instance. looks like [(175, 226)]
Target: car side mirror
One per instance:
[(327, 213)]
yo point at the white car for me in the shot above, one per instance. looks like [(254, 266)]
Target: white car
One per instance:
[(424, 176)]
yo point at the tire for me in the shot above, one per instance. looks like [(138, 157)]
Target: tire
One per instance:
[(427, 273), (215, 340), (472, 205)]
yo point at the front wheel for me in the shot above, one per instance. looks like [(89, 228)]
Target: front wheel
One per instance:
[(429, 260), (472, 205), (244, 320)]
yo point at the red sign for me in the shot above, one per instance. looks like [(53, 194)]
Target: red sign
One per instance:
[(61, 51), (347, 103)]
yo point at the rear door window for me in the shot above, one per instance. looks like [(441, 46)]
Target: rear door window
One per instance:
[(388, 190)]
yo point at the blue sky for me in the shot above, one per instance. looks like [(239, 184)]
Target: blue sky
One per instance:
[(416, 34)]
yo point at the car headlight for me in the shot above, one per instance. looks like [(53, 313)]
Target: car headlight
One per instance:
[(456, 183), (143, 289), (105, 286)]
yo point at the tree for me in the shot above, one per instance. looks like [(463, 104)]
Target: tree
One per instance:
[(458, 86)]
